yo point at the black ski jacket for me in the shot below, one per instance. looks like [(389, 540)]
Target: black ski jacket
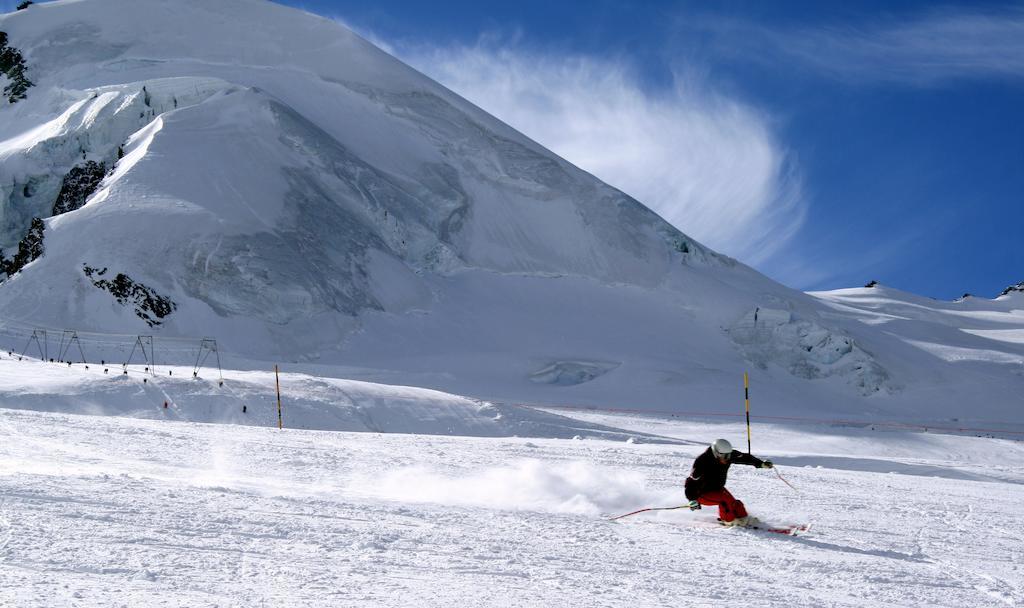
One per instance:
[(708, 475)]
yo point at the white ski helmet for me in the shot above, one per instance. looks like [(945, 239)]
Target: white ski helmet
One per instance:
[(721, 448)]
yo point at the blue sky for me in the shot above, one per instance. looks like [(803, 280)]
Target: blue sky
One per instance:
[(824, 143), (834, 143)]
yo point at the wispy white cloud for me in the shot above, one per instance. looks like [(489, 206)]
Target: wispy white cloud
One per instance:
[(366, 34), (933, 49), (707, 163)]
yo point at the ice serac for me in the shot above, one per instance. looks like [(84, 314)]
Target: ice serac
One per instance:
[(806, 348), (265, 176)]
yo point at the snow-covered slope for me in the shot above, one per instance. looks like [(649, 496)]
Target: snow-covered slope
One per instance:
[(965, 358), (112, 511), (246, 171), (249, 398)]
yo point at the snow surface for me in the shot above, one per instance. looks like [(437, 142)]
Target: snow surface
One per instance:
[(440, 500), (249, 398), (117, 511)]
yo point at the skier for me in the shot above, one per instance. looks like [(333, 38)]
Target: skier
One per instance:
[(706, 483)]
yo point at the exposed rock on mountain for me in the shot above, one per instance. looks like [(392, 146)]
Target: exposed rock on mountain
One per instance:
[(12, 67), (1019, 287), (29, 249), (78, 185), (147, 304)]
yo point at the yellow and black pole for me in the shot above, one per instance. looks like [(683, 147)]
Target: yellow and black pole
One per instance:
[(746, 398), (277, 380)]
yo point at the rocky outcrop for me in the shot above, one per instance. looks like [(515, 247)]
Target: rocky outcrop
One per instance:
[(1019, 287), (12, 65), (149, 306), (78, 185), (30, 248)]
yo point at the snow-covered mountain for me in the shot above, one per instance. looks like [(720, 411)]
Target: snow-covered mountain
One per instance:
[(248, 171), (269, 169)]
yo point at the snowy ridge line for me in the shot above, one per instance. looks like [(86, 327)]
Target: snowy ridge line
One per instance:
[(803, 419)]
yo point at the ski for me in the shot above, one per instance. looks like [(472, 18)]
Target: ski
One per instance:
[(789, 529), (793, 530)]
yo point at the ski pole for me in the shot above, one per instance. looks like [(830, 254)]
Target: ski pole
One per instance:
[(647, 509), (784, 480)]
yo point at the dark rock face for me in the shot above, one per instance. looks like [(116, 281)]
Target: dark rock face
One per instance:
[(1012, 288), (149, 306), (12, 65), (872, 284), (30, 248), (78, 185)]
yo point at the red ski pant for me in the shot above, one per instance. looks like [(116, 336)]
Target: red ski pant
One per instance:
[(728, 507)]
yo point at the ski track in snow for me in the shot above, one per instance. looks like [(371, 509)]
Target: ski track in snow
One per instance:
[(113, 511)]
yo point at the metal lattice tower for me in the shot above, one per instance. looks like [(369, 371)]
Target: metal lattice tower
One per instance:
[(207, 347), (66, 341), (142, 343), (43, 346)]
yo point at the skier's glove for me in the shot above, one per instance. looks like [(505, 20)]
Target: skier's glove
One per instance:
[(767, 464), (694, 505)]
